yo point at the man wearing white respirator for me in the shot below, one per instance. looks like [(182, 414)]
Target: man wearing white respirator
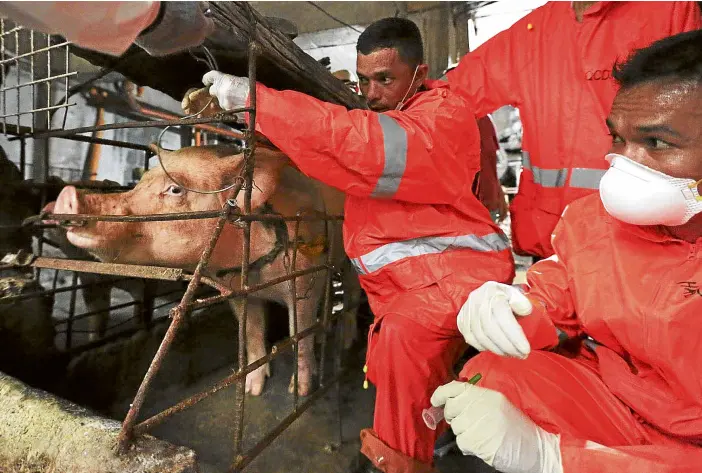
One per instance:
[(625, 285)]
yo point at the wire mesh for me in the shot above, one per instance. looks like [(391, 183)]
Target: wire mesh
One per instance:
[(34, 69)]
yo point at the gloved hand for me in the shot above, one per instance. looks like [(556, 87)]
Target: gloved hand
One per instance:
[(179, 26), (196, 100), (487, 320), (230, 91), (488, 426)]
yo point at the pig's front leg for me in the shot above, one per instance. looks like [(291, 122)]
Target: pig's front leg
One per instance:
[(255, 342), (306, 317)]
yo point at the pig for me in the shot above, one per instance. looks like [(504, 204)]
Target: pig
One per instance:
[(278, 187)]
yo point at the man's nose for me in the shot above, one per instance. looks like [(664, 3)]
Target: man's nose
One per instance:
[(372, 92)]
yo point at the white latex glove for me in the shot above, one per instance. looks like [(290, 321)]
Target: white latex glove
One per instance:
[(487, 320), (488, 426), (231, 91)]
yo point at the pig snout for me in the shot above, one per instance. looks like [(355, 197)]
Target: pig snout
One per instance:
[(67, 202)]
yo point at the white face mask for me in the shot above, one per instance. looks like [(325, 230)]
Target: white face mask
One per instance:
[(639, 195)]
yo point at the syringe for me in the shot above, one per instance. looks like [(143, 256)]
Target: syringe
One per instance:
[(433, 415)]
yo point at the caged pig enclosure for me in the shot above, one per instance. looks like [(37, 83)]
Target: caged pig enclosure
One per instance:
[(312, 268)]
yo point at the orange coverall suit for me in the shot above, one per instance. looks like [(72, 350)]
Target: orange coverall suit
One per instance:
[(418, 237), (634, 296), (558, 72)]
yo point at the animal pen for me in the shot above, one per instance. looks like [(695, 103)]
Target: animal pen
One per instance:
[(42, 54)]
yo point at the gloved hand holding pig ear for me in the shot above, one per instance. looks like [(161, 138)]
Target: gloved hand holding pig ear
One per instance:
[(491, 428), (227, 91)]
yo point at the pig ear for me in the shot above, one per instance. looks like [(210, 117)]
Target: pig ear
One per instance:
[(267, 170), (155, 149)]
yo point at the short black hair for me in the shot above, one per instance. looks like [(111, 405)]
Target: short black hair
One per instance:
[(673, 59), (397, 33)]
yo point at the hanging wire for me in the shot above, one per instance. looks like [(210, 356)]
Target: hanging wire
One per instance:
[(211, 63), (334, 18)]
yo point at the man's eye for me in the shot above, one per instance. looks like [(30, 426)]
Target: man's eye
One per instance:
[(362, 80), (656, 143), (387, 80), (616, 138)]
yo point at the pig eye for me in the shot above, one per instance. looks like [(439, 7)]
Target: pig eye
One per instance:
[(174, 190)]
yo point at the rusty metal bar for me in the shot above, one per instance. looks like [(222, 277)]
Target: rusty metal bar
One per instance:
[(276, 351), (293, 291), (248, 177), (257, 287), (223, 118), (242, 460), (175, 216), (129, 270), (71, 312), (178, 314), (105, 141)]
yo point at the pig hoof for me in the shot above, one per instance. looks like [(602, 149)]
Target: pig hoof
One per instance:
[(304, 386), (257, 379)]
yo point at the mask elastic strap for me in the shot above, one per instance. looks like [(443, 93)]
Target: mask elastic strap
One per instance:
[(402, 102), (694, 186)]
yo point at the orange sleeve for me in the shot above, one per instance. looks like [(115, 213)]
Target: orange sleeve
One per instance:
[(428, 154), (490, 75)]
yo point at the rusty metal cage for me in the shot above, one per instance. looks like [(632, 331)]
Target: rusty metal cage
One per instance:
[(30, 116)]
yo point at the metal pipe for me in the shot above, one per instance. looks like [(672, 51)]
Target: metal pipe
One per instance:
[(174, 216)]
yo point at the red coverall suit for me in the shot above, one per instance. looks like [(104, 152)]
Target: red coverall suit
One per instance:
[(418, 237), (558, 73), (637, 293)]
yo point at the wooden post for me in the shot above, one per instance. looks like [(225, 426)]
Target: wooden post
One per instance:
[(434, 29), (460, 35)]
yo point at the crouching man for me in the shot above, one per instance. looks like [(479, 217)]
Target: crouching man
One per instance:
[(625, 282)]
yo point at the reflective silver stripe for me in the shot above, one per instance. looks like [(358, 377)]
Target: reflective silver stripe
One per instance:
[(549, 177), (357, 265), (586, 178), (393, 252), (395, 144)]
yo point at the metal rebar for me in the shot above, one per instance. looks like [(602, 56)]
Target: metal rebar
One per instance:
[(293, 298), (178, 314), (174, 216), (118, 269), (248, 178), (226, 118), (105, 141), (242, 460), (276, 351), (47, 109), (71, 312)]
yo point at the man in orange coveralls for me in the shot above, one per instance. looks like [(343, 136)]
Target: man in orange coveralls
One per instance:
[(555, 65), (416, 233), (626, 281)]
